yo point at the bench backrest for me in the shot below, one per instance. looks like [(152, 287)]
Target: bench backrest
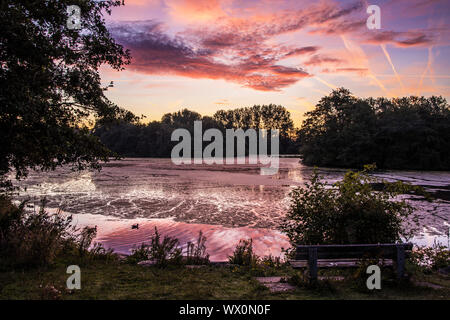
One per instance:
[(386, 251)]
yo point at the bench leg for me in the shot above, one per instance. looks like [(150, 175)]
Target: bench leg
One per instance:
[(400, 262), (312, 264)]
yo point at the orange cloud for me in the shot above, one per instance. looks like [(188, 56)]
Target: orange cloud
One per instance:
[(240, 41), (195, 10), (154, 52)]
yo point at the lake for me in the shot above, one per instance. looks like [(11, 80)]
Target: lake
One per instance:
[(226, 202)]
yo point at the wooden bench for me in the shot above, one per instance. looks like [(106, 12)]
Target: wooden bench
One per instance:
[(315, 256)]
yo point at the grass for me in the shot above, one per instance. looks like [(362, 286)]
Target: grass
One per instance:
[(36, 250), (116, 280)]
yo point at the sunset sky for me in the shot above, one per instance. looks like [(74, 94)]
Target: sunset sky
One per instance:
[(207, 55)]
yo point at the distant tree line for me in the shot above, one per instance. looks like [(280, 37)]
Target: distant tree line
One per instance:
[(154, 138), (399, 133), (341, 131)]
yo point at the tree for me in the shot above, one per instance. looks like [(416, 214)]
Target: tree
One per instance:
[(181, 119), (400, 133), (50, 88), (154, 139), (350, 212), (262, 117)]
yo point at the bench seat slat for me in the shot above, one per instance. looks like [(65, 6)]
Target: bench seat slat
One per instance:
[(351, 251), (319, 256), (335, 263)]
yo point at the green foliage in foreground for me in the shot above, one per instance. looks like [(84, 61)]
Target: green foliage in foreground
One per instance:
[(429, 259), (116, 280), (36, 239), (196, 251), (350, 212), (36, 268), (164, 252), (243, 254), (167, 251)]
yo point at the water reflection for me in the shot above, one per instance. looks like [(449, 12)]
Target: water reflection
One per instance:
[(221, 241), (227, 200)]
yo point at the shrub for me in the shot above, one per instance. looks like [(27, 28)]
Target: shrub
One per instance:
[(349, 212), (98, 252), (166, 251), (85, 239), (91, 251), (163, 252), (431, 258), (196, 252), (243, 254), (38, 238), (273, 262), (139, 254), (29, 238)]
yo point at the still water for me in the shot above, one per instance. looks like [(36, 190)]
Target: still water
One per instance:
[(226, 202)]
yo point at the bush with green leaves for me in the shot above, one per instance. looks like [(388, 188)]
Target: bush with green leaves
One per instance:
[(273, 262), (349, 212), (83, 244), (139, 254), (163, 252), (429, 259), (243, 254), (196, 252), (31, 239)]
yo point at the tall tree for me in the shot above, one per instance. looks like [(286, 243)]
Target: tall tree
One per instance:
[(50, 85), (400, 133)]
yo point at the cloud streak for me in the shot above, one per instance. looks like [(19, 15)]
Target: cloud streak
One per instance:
[(239, 42), (157, 53)]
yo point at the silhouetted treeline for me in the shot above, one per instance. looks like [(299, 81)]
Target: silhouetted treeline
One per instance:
[(399, 133), (154, 139), (342, 131)]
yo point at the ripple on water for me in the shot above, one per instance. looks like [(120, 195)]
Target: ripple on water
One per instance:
[(229, 201)]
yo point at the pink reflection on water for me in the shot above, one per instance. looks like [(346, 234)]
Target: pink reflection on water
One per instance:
[(221, 241)]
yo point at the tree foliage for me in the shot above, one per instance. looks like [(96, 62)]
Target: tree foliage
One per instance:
[(399, 133), (50, 85), (350, 212), (154, 139), (31, 239)]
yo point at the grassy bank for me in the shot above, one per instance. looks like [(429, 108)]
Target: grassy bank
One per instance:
[(37, 247), (118, 280)]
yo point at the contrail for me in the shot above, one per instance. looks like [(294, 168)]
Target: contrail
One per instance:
[(388, 57), (428, 68), (326, 83), (353, 48), (371, 75)]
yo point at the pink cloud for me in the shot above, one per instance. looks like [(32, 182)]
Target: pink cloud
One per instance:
[(154, 52), (236, 42)]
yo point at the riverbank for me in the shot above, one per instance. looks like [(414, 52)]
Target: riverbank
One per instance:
[(118, 280)]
